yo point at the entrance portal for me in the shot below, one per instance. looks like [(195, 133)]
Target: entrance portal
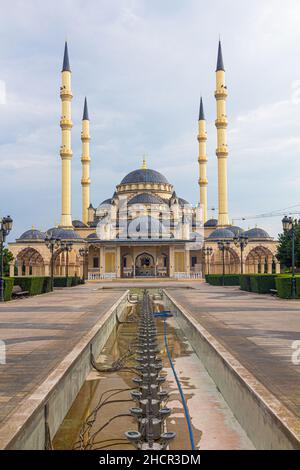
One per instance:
[(145, 265)]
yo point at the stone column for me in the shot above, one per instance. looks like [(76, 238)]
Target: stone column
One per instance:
[(171, 261), (12, 269), (277, 265), (47, 269), (270, 264), (187, 266), (27, 270), (102, 260), (20, 269), (118, 261)]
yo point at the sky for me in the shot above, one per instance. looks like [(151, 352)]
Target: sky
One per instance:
[(142, 65)]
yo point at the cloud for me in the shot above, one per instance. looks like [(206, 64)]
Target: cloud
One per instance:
[(143, 66)]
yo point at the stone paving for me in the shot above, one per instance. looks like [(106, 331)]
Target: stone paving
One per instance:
[(40, 331), (259, 330)]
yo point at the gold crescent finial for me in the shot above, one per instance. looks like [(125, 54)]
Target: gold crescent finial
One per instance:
[(144, 164)]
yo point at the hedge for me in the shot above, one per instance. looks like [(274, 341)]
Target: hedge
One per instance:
[(47, 285), (66, 281), (34, 285), (217, 279), (262, 283), (244, 281), (8, 287), (284, 286)]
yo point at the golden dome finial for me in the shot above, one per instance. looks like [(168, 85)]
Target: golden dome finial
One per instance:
[(144, 164)]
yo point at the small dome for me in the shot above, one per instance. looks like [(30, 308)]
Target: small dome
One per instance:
[(106, 202), (92, 235), (63, 234), (33, 235), (78, 224), (146, 227), (256, 233), (221, 234), (183, 202), (211, 223), (196, 236), (144, 176), (146, 198), (236, 230)]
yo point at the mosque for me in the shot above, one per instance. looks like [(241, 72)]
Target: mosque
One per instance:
[(144, 229)]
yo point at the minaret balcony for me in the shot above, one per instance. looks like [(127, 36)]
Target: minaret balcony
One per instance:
[(221, 93), (85, 181), (65, 94), (65, 153), (202, 181), (221, 122), (66, 123), (85, 137), (222, 151), (202, 137), (85, 159), (202, 159)]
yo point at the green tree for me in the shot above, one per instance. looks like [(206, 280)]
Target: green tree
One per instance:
[(284, 250), (7, 257)]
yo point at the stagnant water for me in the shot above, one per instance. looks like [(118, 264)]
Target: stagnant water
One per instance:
[(214, 426)]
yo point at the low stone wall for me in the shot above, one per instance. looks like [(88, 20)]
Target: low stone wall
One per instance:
[(267, 422), (51, 401)]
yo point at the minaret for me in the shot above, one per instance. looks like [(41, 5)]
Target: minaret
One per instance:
[(222, 149), (202, 159), (65, 149), (85, 160)]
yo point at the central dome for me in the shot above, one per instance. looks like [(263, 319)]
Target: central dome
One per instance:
[(144, 176)]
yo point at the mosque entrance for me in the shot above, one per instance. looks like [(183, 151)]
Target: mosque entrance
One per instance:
[(145, 265)]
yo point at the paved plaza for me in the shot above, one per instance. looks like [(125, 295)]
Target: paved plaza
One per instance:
[(40, 331), (258, 330)]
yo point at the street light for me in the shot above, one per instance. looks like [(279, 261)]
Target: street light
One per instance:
[(84, 253), (52, 243), (6, 224), (67, 247), (223, 246), (241, 241), (289, 225), (207, 254)]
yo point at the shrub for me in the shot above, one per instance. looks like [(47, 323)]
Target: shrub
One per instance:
[(47, 284), (34, 285), (262, 283), (66, 281), (8, 287), (284, 286), (217, 279), (244, 281)]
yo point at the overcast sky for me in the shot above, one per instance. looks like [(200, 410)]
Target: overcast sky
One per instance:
[(142, 65)]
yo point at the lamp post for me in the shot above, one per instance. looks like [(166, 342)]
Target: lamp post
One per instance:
[(84, 253), (223, 246), (207, 254), (52, 243), (241, 241), (289, 225), (67, 247), (6, 224)]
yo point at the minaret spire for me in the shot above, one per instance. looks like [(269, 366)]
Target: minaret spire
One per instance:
[(85, 162), (65, 149), (201, 111), (66, 62), (222, 149), (202, 160), (85, 116), (220, 63)]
